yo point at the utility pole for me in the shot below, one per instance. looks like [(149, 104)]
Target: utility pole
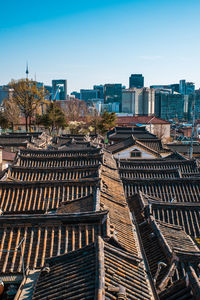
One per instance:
[(193, 123), (150, 122)]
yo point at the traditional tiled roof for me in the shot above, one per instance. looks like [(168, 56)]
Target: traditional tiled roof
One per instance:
[(154, 144), (45, 236), (71, 150), (84, 204), (38, 197), (168, 190), (76, 137), (112, 198), (51, 174), (71, 276), (76, 141), (24, 140), (175, 156), (126, 143), (64, 161), (74, 220), (34, 134), (140, 120), (148, 174), (8, 139), (184, 166), (184, 148), (186, 214), (131, 141), (98, 271), (80, 224), (122, 133), (8, 156), (179, 290), (172, 254), (175, 237), (181, 252)]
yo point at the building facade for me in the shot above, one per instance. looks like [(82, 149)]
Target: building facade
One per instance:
[(100, 89), (136, 81), (138, 101), (170, 87), (87, 95), (193, 107), (186, 88), (59, 89), (170, 106), (113, 94)]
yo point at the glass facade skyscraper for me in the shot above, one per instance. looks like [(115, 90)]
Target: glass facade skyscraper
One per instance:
[(170, 106), (136, 81), (87, 95), (113, 93), (100, 89)]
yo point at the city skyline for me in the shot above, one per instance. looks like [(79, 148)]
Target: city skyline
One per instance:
[(98, 42)]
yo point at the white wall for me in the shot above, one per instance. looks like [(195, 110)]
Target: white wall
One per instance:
[(126, 153)]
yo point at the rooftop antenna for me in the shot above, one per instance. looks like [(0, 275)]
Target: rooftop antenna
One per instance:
[(27, 71), (193, 123)]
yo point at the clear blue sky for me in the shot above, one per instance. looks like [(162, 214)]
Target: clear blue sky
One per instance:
[(100, 41)]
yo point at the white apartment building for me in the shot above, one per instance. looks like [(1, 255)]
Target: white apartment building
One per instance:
[(138, 101)]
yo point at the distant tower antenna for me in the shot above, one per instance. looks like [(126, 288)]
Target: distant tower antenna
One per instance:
[(27, 71)]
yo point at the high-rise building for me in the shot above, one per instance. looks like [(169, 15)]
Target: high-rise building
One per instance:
[(190, 88), (113, 94), (100, 89), (171, 106), (138, 101), (182, 87), (136, 81), (59, 89), (186, 88), (88, 95), (193, 100)]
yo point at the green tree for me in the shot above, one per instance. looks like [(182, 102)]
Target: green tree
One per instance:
[(28, 97), (54, 119), (107, 122)]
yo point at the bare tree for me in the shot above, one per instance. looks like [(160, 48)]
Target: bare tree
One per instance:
[(75, 110), (161, 132), (28, 96), (11, 111)]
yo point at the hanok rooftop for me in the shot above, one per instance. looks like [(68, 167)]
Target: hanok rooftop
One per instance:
[(80, 220)]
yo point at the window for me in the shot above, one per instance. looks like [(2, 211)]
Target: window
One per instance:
[(136, 153)]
